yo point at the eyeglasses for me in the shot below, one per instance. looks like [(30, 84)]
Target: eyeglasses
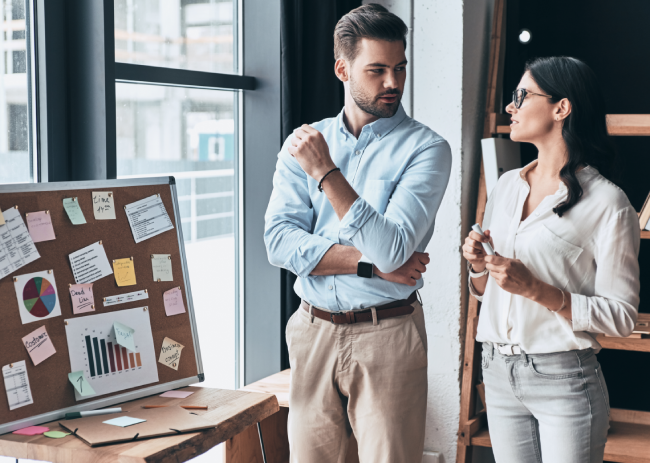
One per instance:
[(519, 95)]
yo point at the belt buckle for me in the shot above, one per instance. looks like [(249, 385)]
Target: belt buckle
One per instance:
[(332, 316)]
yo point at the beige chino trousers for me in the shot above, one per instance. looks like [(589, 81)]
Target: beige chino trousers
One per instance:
[(366, 378)]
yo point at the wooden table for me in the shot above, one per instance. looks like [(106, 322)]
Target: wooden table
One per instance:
[(231, 411)]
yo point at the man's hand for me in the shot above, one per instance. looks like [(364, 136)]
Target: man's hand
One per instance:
[(310, 149), (409, 273)]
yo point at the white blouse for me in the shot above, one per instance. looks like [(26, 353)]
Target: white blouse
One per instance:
[(591, 251)]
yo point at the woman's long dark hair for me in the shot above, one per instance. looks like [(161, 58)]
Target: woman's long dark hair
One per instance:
[(585, 129)]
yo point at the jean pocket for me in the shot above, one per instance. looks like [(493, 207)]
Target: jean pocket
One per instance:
[(553, 369), (485, 360), (603, 387)]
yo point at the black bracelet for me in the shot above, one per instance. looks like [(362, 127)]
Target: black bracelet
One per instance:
[(320, 184)]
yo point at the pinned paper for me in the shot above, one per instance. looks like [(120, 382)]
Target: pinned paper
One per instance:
[(15, 239), (56, 434), (82, 297), (40, 226), (148, 218), (2, 219), (80, 383), (19, 393), (124, 298), (32, 430), (71, 206), (124, 421), (173, 301), (162, 267), (124, 336), (90, 263), (39, 345), (170, 353), (177, 394), (124, 271), (37, 296), (103, 205)]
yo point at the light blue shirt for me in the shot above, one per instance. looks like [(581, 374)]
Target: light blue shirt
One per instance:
[(400, 170)]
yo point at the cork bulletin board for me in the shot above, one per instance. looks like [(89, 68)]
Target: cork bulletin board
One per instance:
[(53, 394)]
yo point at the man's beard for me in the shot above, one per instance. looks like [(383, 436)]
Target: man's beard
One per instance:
[(371, 105)]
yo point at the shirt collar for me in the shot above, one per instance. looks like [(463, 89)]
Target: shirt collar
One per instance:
[(381, 127)]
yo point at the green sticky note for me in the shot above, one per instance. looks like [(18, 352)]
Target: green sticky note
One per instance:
[(124, 336), (56, 434), (80, 383), (75, 214)]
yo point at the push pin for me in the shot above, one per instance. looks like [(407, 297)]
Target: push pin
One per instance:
[(16, 206), (174, 364), (69, 285), (47, 212), (145, 291), (158, 195), (100, 242), (179, 287), (113, 260), (158, 280), (15, 279), (152, 256), (27, 215), (145, 309), (92, 307), (74, 199), (66, 322), (169, 257), (110, 194), (104, 299), (125, 208), (11, 365), (49, 271), (131, 257)]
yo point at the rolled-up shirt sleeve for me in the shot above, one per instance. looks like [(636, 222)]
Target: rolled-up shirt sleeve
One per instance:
[(613, 309), (389, 240), (288, 220)]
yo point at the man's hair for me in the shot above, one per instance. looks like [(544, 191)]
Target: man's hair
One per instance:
[(371, 21)]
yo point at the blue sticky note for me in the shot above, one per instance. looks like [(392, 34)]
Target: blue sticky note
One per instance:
[(75, 214), (124, 336), (80, 383), (124, 421)]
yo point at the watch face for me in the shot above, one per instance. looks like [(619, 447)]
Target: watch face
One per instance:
[(364, 270)]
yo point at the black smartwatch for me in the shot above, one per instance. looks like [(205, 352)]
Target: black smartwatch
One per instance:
[(364, 267)]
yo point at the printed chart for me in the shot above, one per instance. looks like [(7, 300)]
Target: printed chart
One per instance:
[(108, 366), (39, 297)]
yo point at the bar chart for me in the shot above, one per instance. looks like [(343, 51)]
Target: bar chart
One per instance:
[(106, 356)]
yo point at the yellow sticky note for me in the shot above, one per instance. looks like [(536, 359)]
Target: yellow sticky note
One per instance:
[(2, 219), (124, 271)]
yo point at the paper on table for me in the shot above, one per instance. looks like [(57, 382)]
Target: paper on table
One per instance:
[(128, 297), (170, 353), (90, 263), (162, 267), (39, 345), (124, 336), (19, 393), (82, 297), (124, 271), (103, 205), (40, 226), (148, 218), (37, 296), (177, 394), (80, 383), (32, 430), (75, 214), (173, 300), (124, 421), (16, 246)]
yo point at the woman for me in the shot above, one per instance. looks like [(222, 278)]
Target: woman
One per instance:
[(566, 269)]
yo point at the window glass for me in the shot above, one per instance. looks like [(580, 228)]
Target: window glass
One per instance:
[(184, 34)]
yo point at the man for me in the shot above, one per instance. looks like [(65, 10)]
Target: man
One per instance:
[(355, 237)]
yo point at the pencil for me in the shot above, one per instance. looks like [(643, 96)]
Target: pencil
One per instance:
[(186, 407)]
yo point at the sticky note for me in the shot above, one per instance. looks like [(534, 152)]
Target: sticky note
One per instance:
[(40, 226), (80, 383), (173, 300), (56, 434), (124, 421), (170, 353), (124, 336), (103, 205), (82, 297), (32, 430), (177, 394), (124, 272), (71, 206), (39, 345), (2, 219), (162, 267)]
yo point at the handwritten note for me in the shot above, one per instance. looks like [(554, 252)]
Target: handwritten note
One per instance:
[(39, 345), (170, 353), (103, 205), (71, 206), (124, 271), (90, 263), (124, 336), (80, 383), (19, 393), (82, 297), (40, 226), (162, 267), (173, 301)]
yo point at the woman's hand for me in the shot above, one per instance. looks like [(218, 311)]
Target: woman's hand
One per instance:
[(473, 249), (513, 276)]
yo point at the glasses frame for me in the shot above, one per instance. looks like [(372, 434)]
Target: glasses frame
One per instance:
[(525, 94)]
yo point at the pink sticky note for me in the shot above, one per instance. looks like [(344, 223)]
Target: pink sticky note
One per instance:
[(177, 394), (32, 430), (173, 302), (40, 226), (82, 297), (39, 345)]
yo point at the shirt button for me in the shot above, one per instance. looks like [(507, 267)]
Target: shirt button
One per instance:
[(378, 135), (358, 152), (331, 287)]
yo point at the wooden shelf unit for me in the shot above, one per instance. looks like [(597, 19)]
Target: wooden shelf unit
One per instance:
[(622, 125)]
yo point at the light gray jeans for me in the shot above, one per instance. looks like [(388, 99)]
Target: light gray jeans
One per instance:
[(551, 408)]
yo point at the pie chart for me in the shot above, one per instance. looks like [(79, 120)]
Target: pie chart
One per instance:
[(39, 297)]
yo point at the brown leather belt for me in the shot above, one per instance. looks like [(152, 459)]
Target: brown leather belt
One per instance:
[(393, 309)]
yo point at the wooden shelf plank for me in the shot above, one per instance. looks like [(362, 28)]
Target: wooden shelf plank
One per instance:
[(639, 345), (645, 235), (618, 124)]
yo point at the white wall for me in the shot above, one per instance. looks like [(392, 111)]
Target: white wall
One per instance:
[(450, 47)]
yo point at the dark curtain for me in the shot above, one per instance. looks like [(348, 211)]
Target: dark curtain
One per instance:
[(310, 90)]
